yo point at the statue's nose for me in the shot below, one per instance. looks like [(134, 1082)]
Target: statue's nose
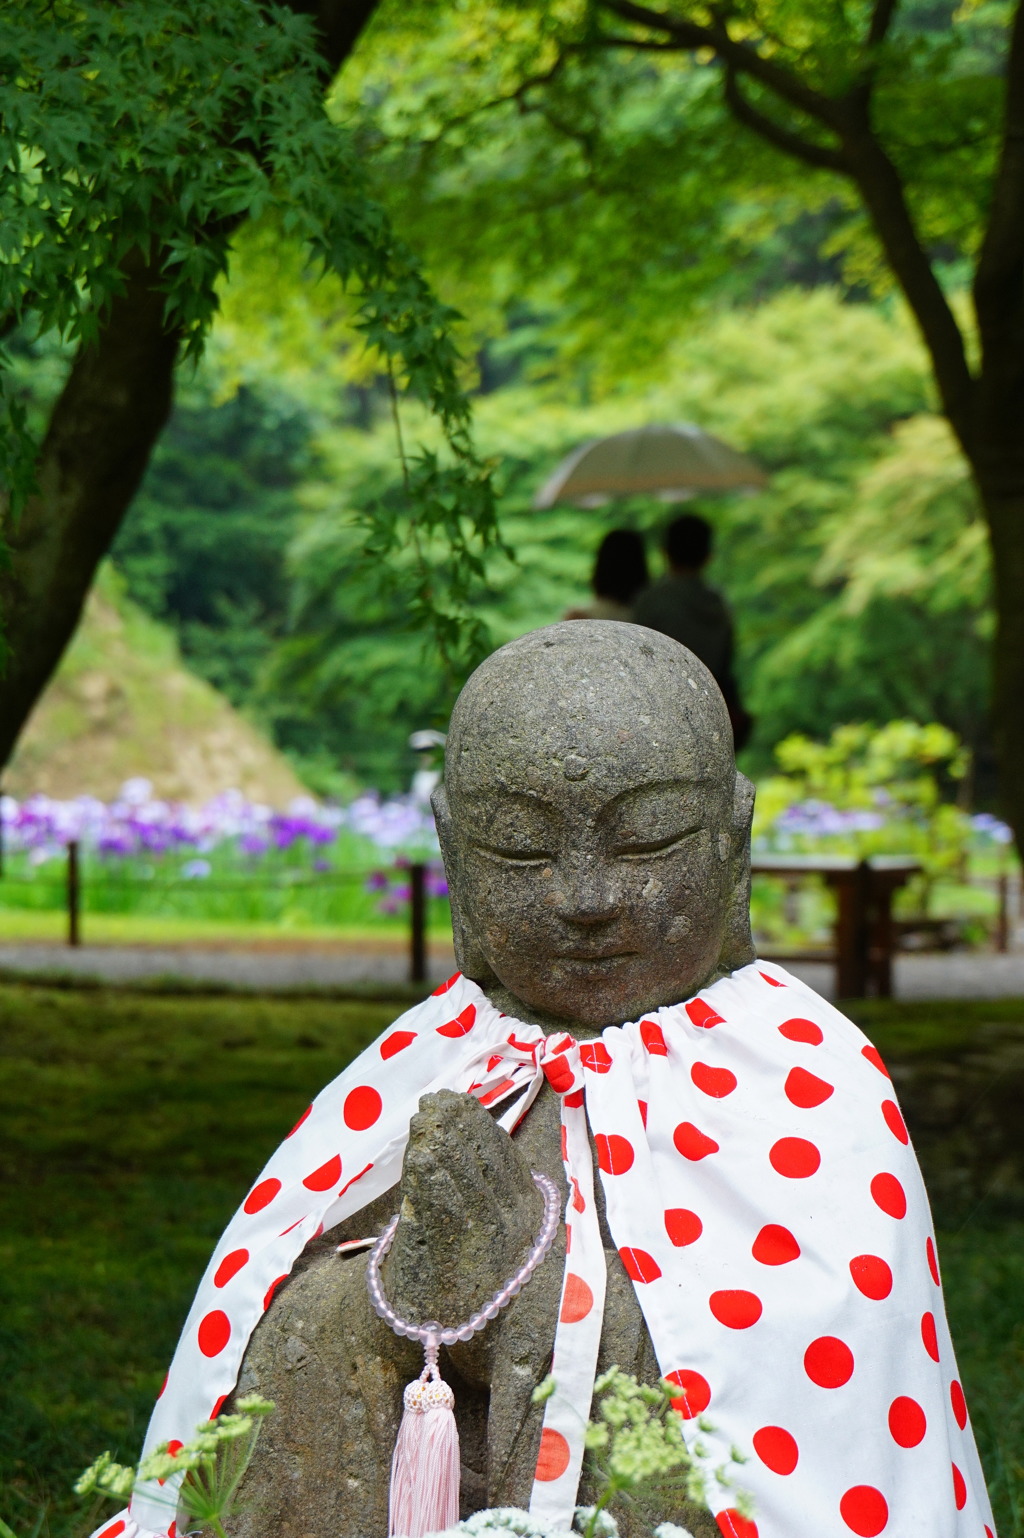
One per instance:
[(591, 892)]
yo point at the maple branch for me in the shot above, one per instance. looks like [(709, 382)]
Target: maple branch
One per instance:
[(818, 155), (739, 56)]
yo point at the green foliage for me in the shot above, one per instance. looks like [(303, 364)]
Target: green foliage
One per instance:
[(900, 776), (533, 158), (146, 134), (636, 1447), (203, 546), (844, 612), (210, 1466)]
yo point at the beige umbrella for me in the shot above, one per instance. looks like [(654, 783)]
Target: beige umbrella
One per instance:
[(671, 462)]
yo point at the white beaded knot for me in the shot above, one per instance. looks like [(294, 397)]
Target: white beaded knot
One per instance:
[(432, 1394)]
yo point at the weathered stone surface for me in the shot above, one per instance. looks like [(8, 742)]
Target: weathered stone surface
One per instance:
[(596, 838), (595, 831)]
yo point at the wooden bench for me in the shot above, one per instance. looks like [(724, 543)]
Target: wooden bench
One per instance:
[(864, 932)]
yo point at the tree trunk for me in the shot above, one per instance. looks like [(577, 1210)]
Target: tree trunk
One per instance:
[(1004, 510), (101, 434)]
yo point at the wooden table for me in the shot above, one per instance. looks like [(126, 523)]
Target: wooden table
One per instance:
[(864, 933)]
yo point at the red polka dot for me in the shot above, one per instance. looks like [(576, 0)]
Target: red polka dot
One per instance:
[(653, 1038), (735, 1308), (871, 1276), (163, 1385), (595, 1056), (933, 1260), (802, 1030), (362, 1108), (806, 1090), (929, 1336), (174, 1446), (682, 1226), (577, 1299), (907, 1422), (642, 1108), (774, 982), (229, 1267), (558, 1073), (959, 1489), (718, 1082), (577, 1195), (888, 1194), (461, 1025), (733, 1524), (327, 1175), (874, 1057), (864, 1510), (828, 1362), (894, 1121), (396, 1042), (445, 986), (275, 1284), (694, 1392), (692, 1143), (218, 1406), (703, 1015), (261, 1196), (113, 1530), (301, 1119), (640, 1267), (614, 1153), (553, 1458), (988, 1532), (776, 1449), (214, 1332), (959, 1403), (575, 1100), (794, 1157), (775, 1246)]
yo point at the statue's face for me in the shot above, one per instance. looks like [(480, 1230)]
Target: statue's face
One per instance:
[(590, 848)]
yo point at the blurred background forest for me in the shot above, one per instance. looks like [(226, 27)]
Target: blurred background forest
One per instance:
[(859, 578), (245, 539)]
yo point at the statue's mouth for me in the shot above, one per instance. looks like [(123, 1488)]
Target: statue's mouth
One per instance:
[(597, 958)]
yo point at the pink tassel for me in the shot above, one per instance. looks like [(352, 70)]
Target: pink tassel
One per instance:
[(425, 1470)]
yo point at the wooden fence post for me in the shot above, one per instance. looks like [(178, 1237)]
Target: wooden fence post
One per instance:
[(74, 893), (1002, 935), (417, 923)]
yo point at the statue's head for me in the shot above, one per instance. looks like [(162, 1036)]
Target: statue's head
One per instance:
[(594, 828)]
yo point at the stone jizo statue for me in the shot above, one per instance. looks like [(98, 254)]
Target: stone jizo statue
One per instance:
[(743, 1212)]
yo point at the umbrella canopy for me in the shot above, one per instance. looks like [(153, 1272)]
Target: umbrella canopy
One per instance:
[(672, 462)]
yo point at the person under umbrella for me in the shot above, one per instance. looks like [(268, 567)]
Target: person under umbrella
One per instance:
[(620, 572), (682, 605)]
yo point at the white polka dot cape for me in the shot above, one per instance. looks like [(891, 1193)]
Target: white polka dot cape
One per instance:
[(764, 1199)]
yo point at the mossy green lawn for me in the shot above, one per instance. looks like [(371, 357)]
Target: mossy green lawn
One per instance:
[(133, 1123)]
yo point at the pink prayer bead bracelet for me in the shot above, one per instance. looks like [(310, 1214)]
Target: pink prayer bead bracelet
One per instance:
[(432, 1334)]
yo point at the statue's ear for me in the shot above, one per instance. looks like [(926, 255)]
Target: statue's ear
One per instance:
[(737, 945), (468, 956)]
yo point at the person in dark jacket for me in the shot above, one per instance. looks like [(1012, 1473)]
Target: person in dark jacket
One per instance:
[(682, 605)]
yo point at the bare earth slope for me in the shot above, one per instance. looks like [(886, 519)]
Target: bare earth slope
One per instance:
[(122, 703)]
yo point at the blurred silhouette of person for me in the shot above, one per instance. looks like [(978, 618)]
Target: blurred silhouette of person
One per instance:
[(620, 572), (682, 605)]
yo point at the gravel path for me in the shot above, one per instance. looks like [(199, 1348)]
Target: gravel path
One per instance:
[(959, 975)]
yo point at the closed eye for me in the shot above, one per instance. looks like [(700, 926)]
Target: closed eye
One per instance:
[(636, 850), (515, 856)]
